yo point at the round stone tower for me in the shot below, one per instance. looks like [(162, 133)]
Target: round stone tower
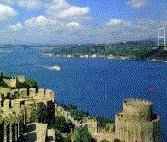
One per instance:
[(138, 109), (137, 123)]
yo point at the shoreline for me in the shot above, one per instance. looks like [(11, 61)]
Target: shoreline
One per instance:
[(90, 57), (124, 58)]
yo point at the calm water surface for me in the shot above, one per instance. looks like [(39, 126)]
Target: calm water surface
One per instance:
[(95, 85)]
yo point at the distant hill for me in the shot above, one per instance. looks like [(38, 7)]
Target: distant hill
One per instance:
[(158, 54), (131, 49)]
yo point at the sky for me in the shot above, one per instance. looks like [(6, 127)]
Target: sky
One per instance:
[(80, 21)]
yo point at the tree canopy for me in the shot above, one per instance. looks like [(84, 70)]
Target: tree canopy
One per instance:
[(82, 135)]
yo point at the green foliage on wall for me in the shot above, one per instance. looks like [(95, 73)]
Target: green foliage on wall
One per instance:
[(62, 125), (82, 135), (75, 113), (29, 83)]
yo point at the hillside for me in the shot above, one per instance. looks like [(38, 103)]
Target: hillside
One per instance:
[(131, 49)]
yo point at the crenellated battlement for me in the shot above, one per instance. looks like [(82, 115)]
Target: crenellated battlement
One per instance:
[(137, 101), (26, 96), (12, 81), (34, 93), (137, 109), (20, 105)]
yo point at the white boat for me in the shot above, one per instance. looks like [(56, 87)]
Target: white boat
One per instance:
[(55, 67), (111, 57), (94, 56), (123, 57), (84, 56), (48, 54), (69, 56), (154, 60)]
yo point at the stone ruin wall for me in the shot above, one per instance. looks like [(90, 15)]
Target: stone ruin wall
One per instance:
[(128, 128), (137, 109), (91, 124), (27, 100), (33, 97), (104, 136), (10, 105), (10, 131), (137, 131), (98, 133), (10, 82), (42, 95), (136, 123), (21, 78), (13, 81)]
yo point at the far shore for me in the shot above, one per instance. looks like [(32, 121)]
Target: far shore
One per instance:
[(110, 57), (94, 56)]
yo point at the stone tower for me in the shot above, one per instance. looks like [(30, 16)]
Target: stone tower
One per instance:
[(137, 123)]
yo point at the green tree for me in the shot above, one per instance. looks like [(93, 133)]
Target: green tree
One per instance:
[(34, 114), (41, 112), (58, 137), (68, 138), (82, 135), (50, 112), (62, 125), (29, 83)]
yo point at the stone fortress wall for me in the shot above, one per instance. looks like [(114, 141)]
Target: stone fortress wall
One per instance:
[(12, 81), (91, 123), (18, 110), (136, 123), (27, 95)]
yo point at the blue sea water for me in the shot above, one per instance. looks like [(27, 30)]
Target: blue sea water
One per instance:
[(97, 86)]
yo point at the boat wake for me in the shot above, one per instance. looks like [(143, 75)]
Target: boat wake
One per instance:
[(54, 67)]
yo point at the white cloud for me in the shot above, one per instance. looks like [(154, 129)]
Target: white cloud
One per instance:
[(57, 32), (48, 24), (61, 9), (53, 20), (118, 23), (16, 27), (36, 21), (30, 4), (140, 29), (137, 3), (57, 15), (58, 4), (73, 24), (56, 8), (6, 12), (74, 12), (54, 12)]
